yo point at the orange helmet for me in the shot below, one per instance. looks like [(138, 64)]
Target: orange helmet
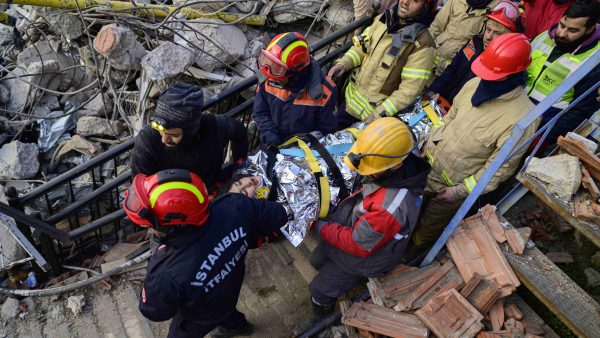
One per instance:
[(286, 53), (505, 13), (168, 198), (505, 55)]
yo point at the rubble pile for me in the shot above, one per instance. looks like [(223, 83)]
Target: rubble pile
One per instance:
[(74, 83), (463, 294)]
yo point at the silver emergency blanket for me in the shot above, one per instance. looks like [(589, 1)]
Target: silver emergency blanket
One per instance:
[(297, 188)]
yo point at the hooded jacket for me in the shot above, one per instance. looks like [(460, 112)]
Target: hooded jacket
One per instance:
[(588, 105), (370, 229), (459, 71), (201, 152), (198, 272), (282, 112)]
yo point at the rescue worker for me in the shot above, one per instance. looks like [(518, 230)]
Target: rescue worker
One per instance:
[(296, 97), (541, 15), (182, 137), (391, 61), (501, 20), (558, 53), (474, 130), (455, 23), (367, 234), (195, 276)]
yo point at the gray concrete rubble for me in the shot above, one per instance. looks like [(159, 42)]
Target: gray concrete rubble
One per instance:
[(216, 44), (9, 308), (100, 104), (63, 23), (6, 34), (76, 304), (167, 61), (561, 174), (97, 126), (11, 250), (287, 11), (19, 160)]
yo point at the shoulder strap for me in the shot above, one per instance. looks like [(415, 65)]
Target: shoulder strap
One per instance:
[(336, 174)]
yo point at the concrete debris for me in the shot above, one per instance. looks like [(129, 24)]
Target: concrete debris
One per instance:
[(19, 160), (593, 277), (46, 105), (100, 104), (11, 249), (561, 174), (215, 44), (10, 308), (4, 94), (167, 61), (119, 45), (6, 35), (76, 304), (202, 6), (254, 47), (19, 90), (64, 23), (97, 126), (339, 15), (287, 11)]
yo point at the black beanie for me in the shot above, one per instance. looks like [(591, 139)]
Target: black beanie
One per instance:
[(180, 106)]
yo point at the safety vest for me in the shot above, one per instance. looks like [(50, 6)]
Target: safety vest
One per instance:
[(542, 81)]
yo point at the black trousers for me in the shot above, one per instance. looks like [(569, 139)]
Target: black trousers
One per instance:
[(332, 281), (184, 327)]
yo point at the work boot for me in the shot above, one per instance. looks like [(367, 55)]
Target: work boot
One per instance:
[(320, 310), (223, 332)]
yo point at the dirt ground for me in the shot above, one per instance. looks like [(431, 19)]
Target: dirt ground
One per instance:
[(274, 298)]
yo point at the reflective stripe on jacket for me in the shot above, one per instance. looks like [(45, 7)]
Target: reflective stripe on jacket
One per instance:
[(463, 148), (382, 83), (543, 78), (455, 24)]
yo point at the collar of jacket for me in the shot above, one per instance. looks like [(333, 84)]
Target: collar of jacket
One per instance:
[(412, 175), (183, 236), (310, 80), (392, 21), (588, 43), (499, 91)]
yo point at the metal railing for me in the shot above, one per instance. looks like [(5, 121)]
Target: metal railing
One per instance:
[(105, 190), (510, 148)]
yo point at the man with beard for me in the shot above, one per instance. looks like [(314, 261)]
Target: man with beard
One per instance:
[(391, 61), (294, 96), (540, 15), (501, 20), (556, 54), (182, 137)]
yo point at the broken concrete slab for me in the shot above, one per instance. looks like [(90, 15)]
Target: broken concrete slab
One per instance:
[(19, 160), (19, 90), (384, 321), (63, 23), (215, 44), (450, 315), (100, 104), (287, 11), (9, 308), (593, 277), (6, 34), (339, 14), (11, 249), (46, 105), (119, 45), (561, 174), (97, 126), (167, 61)]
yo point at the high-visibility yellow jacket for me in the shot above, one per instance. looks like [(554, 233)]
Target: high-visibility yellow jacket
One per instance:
[(462, 148), (381, 83), (452, 27)]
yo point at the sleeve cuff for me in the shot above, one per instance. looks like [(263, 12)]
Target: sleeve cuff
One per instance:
[(460, 191), (319, 225)]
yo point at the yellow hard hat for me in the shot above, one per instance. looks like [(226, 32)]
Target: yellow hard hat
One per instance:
[(383, 144)]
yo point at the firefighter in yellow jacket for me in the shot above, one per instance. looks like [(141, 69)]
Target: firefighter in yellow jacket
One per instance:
[(391, 61), (455, 24), (480, 121)]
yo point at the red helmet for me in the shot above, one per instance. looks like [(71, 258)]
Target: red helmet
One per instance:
[(168, 198), (506, 54), (505, 13), (286, 53)]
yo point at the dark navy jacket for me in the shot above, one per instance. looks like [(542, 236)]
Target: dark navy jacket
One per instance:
[(201, 153), (459, 71), (281, 113), (198, 272)]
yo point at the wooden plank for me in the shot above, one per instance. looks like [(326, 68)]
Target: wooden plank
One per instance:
[(300, 262), (572, 305), (588, 229)]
